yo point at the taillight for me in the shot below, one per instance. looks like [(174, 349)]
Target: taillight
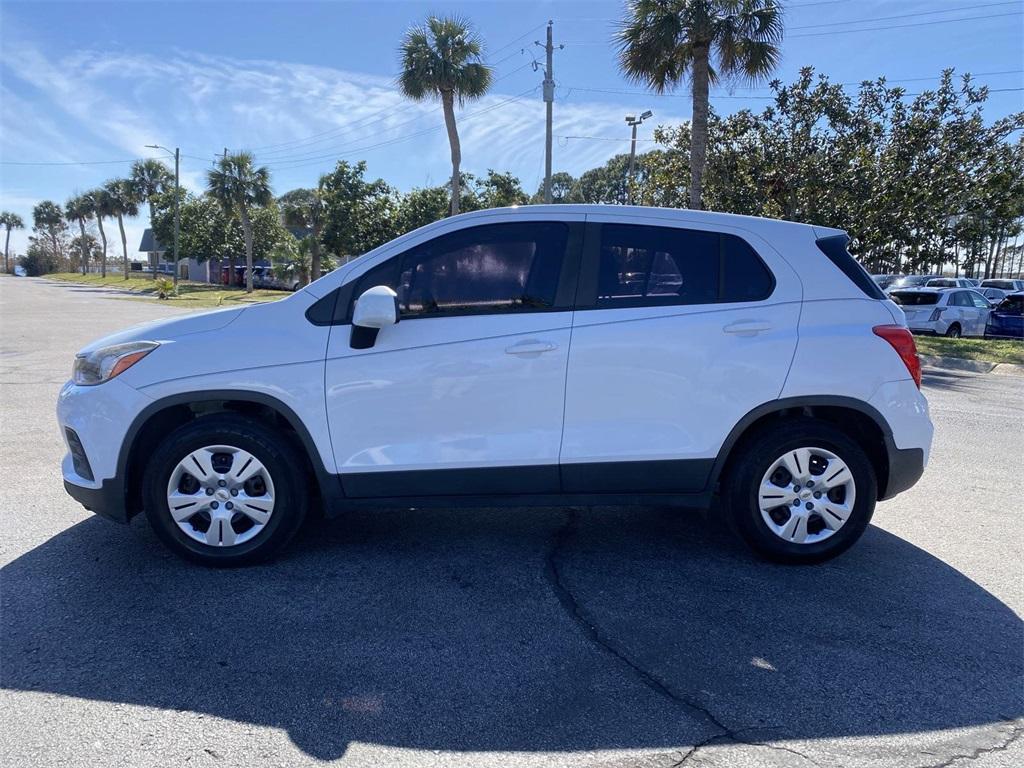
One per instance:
[(936, 313), (902, 341)]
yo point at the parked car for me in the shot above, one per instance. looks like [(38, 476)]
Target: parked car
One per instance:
[(975, 282), (884, 281), (949, 282), (511, 356), (911, 281), (266, 277), (943, 312), (1006, 321), (994, 295), (1006, 284)]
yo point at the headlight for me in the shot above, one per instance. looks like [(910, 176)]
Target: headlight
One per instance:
[(105, 363)]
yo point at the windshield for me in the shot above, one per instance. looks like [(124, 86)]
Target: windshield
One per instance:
[(914, 298)]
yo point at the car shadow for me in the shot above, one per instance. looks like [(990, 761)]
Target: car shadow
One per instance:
[(512, 629)]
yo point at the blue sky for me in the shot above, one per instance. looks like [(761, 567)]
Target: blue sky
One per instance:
[(305, 84)]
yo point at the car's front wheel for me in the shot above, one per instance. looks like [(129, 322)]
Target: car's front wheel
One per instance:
[(224, 490), (800, 492)]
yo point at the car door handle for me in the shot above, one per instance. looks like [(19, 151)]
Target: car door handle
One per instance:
[(747, 327), (530, 347)]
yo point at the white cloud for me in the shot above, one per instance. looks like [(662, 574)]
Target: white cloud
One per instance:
[(298, 118)]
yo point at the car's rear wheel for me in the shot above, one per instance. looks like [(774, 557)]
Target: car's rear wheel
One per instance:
[(801, 492), (224, 490), (954, 331)]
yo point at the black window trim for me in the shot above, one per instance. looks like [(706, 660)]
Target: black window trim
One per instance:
[(589, 277)]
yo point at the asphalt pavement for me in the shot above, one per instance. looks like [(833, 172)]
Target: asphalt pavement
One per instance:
[(513, 637)]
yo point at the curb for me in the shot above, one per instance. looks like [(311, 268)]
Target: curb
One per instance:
[(974, 366)]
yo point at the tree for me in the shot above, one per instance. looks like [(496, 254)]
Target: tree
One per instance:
[(40, 258), (100, 203), (239, 186), (359, 215), (48, 220), (123, 201), (421, 206), (307, 208), (501, 190), (9, 221), (564, 189), (209, 232), (79, 209), (663, 41), (442, 59), (149, 178)]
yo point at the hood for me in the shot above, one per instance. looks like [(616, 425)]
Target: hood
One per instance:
[(170, 328)]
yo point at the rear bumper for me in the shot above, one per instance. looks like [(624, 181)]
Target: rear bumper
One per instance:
[(906, 466)]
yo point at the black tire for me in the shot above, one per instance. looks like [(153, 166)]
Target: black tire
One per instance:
[(740, 486), (270, 447), (954, 331)]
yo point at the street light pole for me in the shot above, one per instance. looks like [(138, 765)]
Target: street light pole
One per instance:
[(177, 205), (633, 122)]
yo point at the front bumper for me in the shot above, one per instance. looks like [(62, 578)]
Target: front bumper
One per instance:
[(100, 417), (106, 501)]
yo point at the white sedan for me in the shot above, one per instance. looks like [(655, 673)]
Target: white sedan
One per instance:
[(949, 312)]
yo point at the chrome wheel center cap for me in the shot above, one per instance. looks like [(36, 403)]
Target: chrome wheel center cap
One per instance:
[(805, 494), (223, 494)]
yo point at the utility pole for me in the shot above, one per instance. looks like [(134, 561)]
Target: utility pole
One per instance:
[(177, 213), (549, 99), (177, 205), (633, 122)]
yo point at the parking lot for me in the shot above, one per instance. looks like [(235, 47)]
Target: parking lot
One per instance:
[(513, 637)]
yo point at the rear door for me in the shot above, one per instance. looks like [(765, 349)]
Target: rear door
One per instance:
[(679, 332), (982, 309)]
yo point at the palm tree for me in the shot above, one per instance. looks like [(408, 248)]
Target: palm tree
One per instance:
[(149, 178), (99, 202), (306, 208), (662, 41), (9, 221), (48, 217), (123, 202), (441, 59), (238, 185), (79, 208)]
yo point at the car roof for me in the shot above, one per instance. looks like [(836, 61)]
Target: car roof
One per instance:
[(679, 214)]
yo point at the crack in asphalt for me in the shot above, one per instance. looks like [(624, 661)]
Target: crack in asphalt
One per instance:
[(1015, 733), (723, 732), (575, 611)]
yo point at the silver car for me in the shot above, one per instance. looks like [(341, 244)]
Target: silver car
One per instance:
[(952, 312)]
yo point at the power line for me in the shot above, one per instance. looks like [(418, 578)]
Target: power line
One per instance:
[(70, 162), (908, 15), (904, 26), (652, 94), (858, 21)]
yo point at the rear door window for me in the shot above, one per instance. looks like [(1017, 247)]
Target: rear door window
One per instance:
[(652, 266)]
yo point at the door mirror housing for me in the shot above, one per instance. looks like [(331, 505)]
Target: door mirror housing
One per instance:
[(375, 308)]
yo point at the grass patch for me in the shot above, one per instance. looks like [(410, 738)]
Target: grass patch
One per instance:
[(987, 350), (191, 295)]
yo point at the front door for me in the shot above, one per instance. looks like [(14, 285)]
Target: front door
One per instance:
[(465, 394)]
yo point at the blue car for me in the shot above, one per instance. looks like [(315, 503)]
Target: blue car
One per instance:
[(1006, 321)]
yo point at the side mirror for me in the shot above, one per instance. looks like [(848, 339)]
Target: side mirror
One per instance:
[(375, 308)]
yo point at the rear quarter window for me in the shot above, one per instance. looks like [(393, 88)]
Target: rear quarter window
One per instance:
[(835, 249)]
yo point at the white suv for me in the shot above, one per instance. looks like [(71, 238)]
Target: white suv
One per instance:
[(538, 355)]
